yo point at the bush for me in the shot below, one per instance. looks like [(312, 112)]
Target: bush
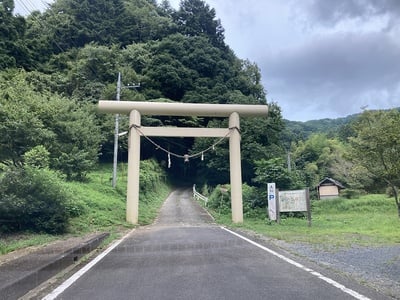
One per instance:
[(37, 157), (33, 199), (350, 193), (151, 176), (220, 199)]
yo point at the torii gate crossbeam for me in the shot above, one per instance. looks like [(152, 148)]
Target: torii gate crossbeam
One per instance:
[(135, 109)]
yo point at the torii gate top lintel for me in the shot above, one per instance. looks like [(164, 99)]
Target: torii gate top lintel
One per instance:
[(182, 109)]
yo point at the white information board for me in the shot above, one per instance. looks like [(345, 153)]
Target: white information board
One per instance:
[(293, 200), (272, 201)]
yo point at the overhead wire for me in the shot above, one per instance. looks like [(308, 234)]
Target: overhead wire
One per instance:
[(29, 8)]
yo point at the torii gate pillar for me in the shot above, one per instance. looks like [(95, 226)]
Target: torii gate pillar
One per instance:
[(235, 169), (132, 193)]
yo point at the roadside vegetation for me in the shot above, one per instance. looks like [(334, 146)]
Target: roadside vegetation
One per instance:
[(368, 220), (94, 206)]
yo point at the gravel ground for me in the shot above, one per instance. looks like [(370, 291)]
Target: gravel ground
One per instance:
[(378, 267)]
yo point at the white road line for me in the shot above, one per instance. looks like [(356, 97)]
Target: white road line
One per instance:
[(290, 261), (54, 294)]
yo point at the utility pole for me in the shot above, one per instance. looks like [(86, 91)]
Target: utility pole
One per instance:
[(116, 131)]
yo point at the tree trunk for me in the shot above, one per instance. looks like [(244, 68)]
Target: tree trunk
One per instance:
[(395, 194), (396, 198)]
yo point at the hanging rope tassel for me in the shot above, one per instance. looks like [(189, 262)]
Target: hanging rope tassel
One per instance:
[(186, 158), (202, 156), (169, 160)]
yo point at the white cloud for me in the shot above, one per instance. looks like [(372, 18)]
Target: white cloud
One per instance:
[(319, 58)]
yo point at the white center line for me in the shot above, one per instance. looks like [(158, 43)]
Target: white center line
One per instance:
[(66, 284)]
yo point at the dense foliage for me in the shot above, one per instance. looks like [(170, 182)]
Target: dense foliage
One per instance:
[(33, 199), (31, 116), (220, 201), (377, 148), (296, 131)]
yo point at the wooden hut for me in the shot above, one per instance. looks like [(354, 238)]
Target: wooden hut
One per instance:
[(329, 188)]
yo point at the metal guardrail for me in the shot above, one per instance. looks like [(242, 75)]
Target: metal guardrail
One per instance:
[(198, 196)]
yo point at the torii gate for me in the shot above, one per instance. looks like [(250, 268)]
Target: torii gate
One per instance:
[(136, 109)]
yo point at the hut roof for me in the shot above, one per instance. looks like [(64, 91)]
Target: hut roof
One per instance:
[(331, 181)]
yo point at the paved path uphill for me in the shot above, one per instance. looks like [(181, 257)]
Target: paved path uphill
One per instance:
[(184, 255)]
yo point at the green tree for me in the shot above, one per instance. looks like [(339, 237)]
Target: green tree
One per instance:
[(21, 127), (166, 8), (195, 18), (169, 76), (316, 156), (69, 24), (355, 177), (89, 21), (49, 33), (376, 147), (260, 141), (13, 52), (93, 67), (29, 118), (146, 21), (273, 170)]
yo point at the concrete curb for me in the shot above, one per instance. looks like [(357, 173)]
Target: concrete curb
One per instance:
[(26, 282)]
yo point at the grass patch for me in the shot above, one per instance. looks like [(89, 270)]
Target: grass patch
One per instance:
[(97, 207), (371, 220), (148, 210), (9, 243)]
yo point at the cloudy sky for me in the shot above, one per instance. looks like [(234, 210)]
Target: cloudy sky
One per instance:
[(318, 58)]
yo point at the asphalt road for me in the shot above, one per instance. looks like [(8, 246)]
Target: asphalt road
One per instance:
[(185, 256)]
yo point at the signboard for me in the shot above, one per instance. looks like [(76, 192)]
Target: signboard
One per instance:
[(293, 201), (272, 201)]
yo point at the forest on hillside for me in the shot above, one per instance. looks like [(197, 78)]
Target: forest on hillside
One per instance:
[(56, 65), (73, 52)]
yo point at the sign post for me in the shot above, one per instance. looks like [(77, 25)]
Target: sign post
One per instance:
[(293, 201), (272, 201)]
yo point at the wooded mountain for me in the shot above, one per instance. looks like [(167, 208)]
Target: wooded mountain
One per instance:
[(296, 131), (76, 48), (340, 127)]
